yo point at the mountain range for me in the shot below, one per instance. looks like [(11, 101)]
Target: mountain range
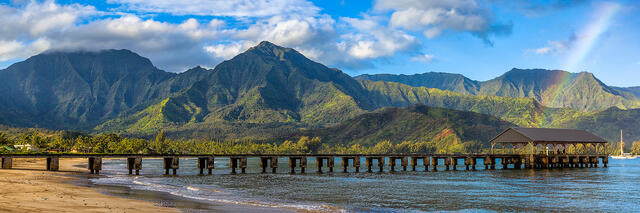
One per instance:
[(270, 92), (552, 88)]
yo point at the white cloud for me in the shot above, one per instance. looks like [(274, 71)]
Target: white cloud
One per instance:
[(375, 41), (433, 17), (226, 51), (316, 38), (555, 47), (426, 58), (551, 47), (39, 26), (12, 49), (35, 19), (229, 8), (33, 27)]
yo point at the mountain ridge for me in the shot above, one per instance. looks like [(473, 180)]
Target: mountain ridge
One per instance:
[(552, 88)]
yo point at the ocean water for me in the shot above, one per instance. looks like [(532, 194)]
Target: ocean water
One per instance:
[(612, 189)]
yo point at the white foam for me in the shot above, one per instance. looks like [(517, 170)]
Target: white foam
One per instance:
[(200, 193)]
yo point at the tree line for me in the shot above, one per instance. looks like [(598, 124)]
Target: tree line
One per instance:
[(66, 142)]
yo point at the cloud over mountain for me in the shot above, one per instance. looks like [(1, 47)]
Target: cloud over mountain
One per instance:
[(33, 27), (433, 17)]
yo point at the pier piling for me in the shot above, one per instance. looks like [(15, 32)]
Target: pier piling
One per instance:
[(95, 165), (414, 161), (274, 164), (171, 163), (53, 163), (434, 163), (447, 163), (404, 163), (206, 163), (7, 162)]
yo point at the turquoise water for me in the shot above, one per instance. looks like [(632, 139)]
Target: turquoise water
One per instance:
[(612, 189)]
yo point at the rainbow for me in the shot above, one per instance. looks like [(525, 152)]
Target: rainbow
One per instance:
[(589, 36)]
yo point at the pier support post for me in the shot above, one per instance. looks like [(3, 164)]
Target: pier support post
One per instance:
[(130, 165), (95, 165), (210, 165), (575, 161), (264, 162), (392, 164), (137, 165), (404, 163), (434, 163), (331, 163), (426, 162), (605, 161), (504, 162), (233, 163), (518, 163), (468, 162), (447, 163), (345, 164), (274, 164), (243, 164), (172, 163), (381, 163), (368, 163), (53, 163), (303, 164), (7, 162), (205, 162), (292, 165), (356, 163), (454, 163), (565, 161), (238, 162), (414, 161), (319, 164)]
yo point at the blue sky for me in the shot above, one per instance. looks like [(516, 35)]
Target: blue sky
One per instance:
[(480, 39)]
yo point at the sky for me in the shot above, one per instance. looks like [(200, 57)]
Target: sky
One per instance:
[(480, 39)]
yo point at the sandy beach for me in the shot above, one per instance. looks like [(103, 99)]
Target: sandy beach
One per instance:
[(28, 188)]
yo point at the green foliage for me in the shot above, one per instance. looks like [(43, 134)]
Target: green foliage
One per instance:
[(635, 148), (383, 147), (4, 139), (162, 145)]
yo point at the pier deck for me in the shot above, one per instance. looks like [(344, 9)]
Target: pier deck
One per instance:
[(430, 161)]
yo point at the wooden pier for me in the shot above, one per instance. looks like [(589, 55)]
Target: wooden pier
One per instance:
[(431, 162)]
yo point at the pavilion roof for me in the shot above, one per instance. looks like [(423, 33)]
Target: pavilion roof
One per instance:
[(546, 136)]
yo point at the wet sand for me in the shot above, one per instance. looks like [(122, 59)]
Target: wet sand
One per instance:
[(29, 188)]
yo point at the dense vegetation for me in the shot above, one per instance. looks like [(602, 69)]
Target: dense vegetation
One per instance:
[(66, 142), (442, 130)]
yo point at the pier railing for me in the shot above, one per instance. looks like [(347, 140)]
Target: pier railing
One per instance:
[(431, 162)]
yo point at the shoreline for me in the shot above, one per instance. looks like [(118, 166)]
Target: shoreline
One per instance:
[(28, 187)]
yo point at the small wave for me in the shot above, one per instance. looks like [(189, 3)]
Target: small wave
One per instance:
[(202, 193)]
